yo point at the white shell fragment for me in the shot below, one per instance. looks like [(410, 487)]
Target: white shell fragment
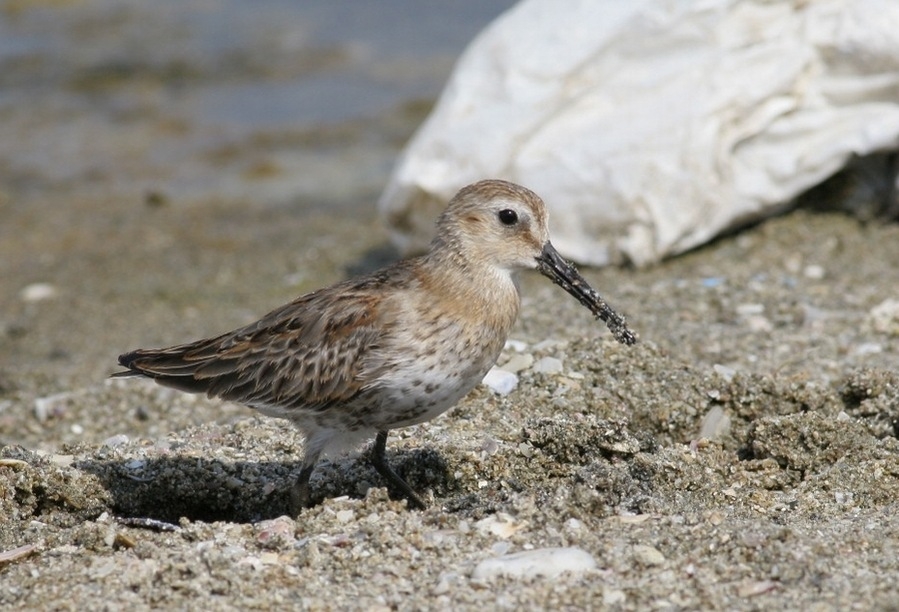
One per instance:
[(548, 562)]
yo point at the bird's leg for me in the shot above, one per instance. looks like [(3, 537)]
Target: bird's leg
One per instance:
[(300, 497), (379, 460)]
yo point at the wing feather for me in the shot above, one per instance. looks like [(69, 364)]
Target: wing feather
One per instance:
[(309, 353)]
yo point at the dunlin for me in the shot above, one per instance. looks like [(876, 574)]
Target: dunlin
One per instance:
[(394, 348)]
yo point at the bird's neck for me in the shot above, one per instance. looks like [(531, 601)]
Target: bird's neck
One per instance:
[(474, 288)]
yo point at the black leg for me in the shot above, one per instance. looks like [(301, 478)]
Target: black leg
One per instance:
[(299, 493), (379, 460)]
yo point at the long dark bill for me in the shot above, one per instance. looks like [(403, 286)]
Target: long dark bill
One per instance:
[(564, 274)]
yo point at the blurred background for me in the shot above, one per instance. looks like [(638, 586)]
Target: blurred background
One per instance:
[(174, 168), (165, 96)]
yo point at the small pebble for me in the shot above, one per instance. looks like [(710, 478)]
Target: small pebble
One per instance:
[(548, 562), (109, 536), (814, 272), (50, 406), (490, 446), (344, 516), (62, 460), (515, 345), (500, 381), (37, 292), (549, 343), (613, 597), (867, 348), (884, 317), (123, 540), (648, 555), (445, 583), (41, 410), (270, 558), (746, 310), (757, 587), (843, 497), (633, 519), (724, 372), (501, 525), (114, 441), (548, 365), (518, 362), (715, 424), (793, 263), (17, 553), (759, 324)]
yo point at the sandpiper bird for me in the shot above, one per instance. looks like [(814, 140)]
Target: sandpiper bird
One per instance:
[(394, 348)]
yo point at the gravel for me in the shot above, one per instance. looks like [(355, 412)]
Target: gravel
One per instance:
[(742, 456), (706, 467)]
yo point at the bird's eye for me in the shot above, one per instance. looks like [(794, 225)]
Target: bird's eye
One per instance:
[(508, 216)]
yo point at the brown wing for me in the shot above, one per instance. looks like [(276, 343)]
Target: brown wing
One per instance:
[(308, 353)]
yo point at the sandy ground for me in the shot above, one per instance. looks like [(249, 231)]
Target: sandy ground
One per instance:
[(742, 456), (772, 343)]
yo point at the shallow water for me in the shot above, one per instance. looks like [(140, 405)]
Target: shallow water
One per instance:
[(145, 90)]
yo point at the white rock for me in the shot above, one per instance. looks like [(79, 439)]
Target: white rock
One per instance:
[(613, 597), (759, 324), (63, 460), (445, 583), (548, 365), (116, 440), (884, 318), (549, 343), (843, 497), (648, 555), (500, 524), (519, 362), (37, 292), (500, 381), (515, 345), (724, 372), (745, 310), (867, 348), (715, 424), (344, 516), (548, 562), (814, 272), (51, 406)]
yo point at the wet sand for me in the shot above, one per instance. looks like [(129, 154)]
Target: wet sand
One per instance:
[(742, 456)]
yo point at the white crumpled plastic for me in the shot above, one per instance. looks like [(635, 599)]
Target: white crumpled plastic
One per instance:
[(651, 126)]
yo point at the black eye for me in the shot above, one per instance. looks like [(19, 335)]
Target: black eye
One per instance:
[(508, 216)]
